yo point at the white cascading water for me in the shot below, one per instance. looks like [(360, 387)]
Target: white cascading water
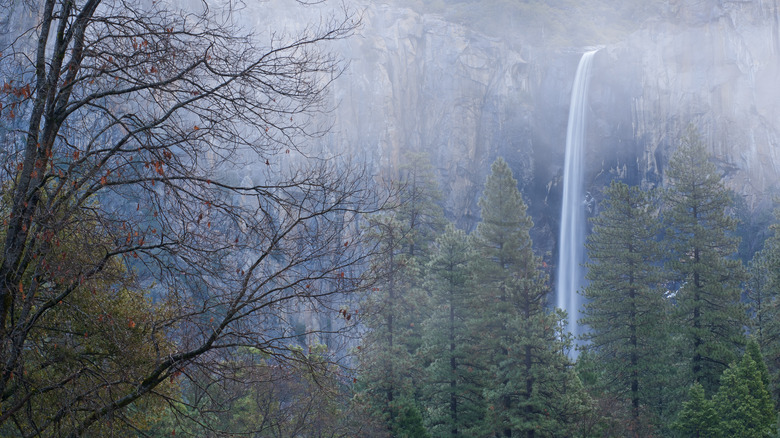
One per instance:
[(571, 242)]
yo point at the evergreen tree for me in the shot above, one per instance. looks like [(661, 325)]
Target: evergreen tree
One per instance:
[(396, 308), (387, 354), (742, 403), (408, 420), (742, 407), (760, 296), (764, 306), (698, 418), (699, 237), (625, 310), (420, 207), (452, 393), (754, 350), (523, 361)]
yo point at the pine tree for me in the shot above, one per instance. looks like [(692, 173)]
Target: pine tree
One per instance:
[(742, 403), (699, 237), (420, 205), (742, 407), (763, 300), (422, 219), (697, 418), (452, 393), (760, 297), (625, 309), (408, 420), (395, 310), (387, 357), (754, 350), (523, 362)]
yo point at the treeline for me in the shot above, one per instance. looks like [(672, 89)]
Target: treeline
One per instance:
[(460, 341), (682, 339)]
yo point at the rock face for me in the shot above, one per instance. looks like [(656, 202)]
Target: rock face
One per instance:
[(717, 71), (417, 82)]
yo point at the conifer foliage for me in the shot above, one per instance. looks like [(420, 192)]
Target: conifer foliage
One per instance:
[(763, 303), (397, 307), (625, 309), (701, 251), (742, 403), (698, 418), (452, 389), (489, 360), (524, 367), (742, 407)]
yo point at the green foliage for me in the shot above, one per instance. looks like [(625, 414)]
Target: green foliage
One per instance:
[(395, 309), (698, 417), (525, 373), (419, 207), (742, 407), (408, 423), (702, 249), (87, 345), (452, 395), (764, 306), (754, 351), (261, 398), (476, 352), (502, 237), (392, 312), (742, 403), (625, 309)]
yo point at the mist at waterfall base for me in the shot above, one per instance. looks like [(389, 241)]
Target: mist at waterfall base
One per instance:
[(421, 82), (424, 82), (572, 233)]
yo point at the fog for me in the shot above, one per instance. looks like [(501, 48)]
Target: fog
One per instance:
[(348, 218), (469, 81)]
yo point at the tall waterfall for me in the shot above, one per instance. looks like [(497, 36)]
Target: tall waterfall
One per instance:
[(571, 241)]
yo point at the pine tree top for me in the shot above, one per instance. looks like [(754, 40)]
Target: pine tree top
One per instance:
[(503, 234)]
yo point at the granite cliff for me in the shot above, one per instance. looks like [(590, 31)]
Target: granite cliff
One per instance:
[(419, 82)]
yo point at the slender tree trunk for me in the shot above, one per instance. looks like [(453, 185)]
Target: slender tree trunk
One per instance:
[(697, 341), (453, 369), (634, 344), (529, 385), (528, 362), (390, 315)]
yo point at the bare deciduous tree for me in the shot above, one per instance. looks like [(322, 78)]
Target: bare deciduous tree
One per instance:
[(159, 157)]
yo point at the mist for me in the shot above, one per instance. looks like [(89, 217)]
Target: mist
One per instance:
[(326, 218)]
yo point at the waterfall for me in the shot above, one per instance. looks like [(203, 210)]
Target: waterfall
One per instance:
[(571, 241)]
